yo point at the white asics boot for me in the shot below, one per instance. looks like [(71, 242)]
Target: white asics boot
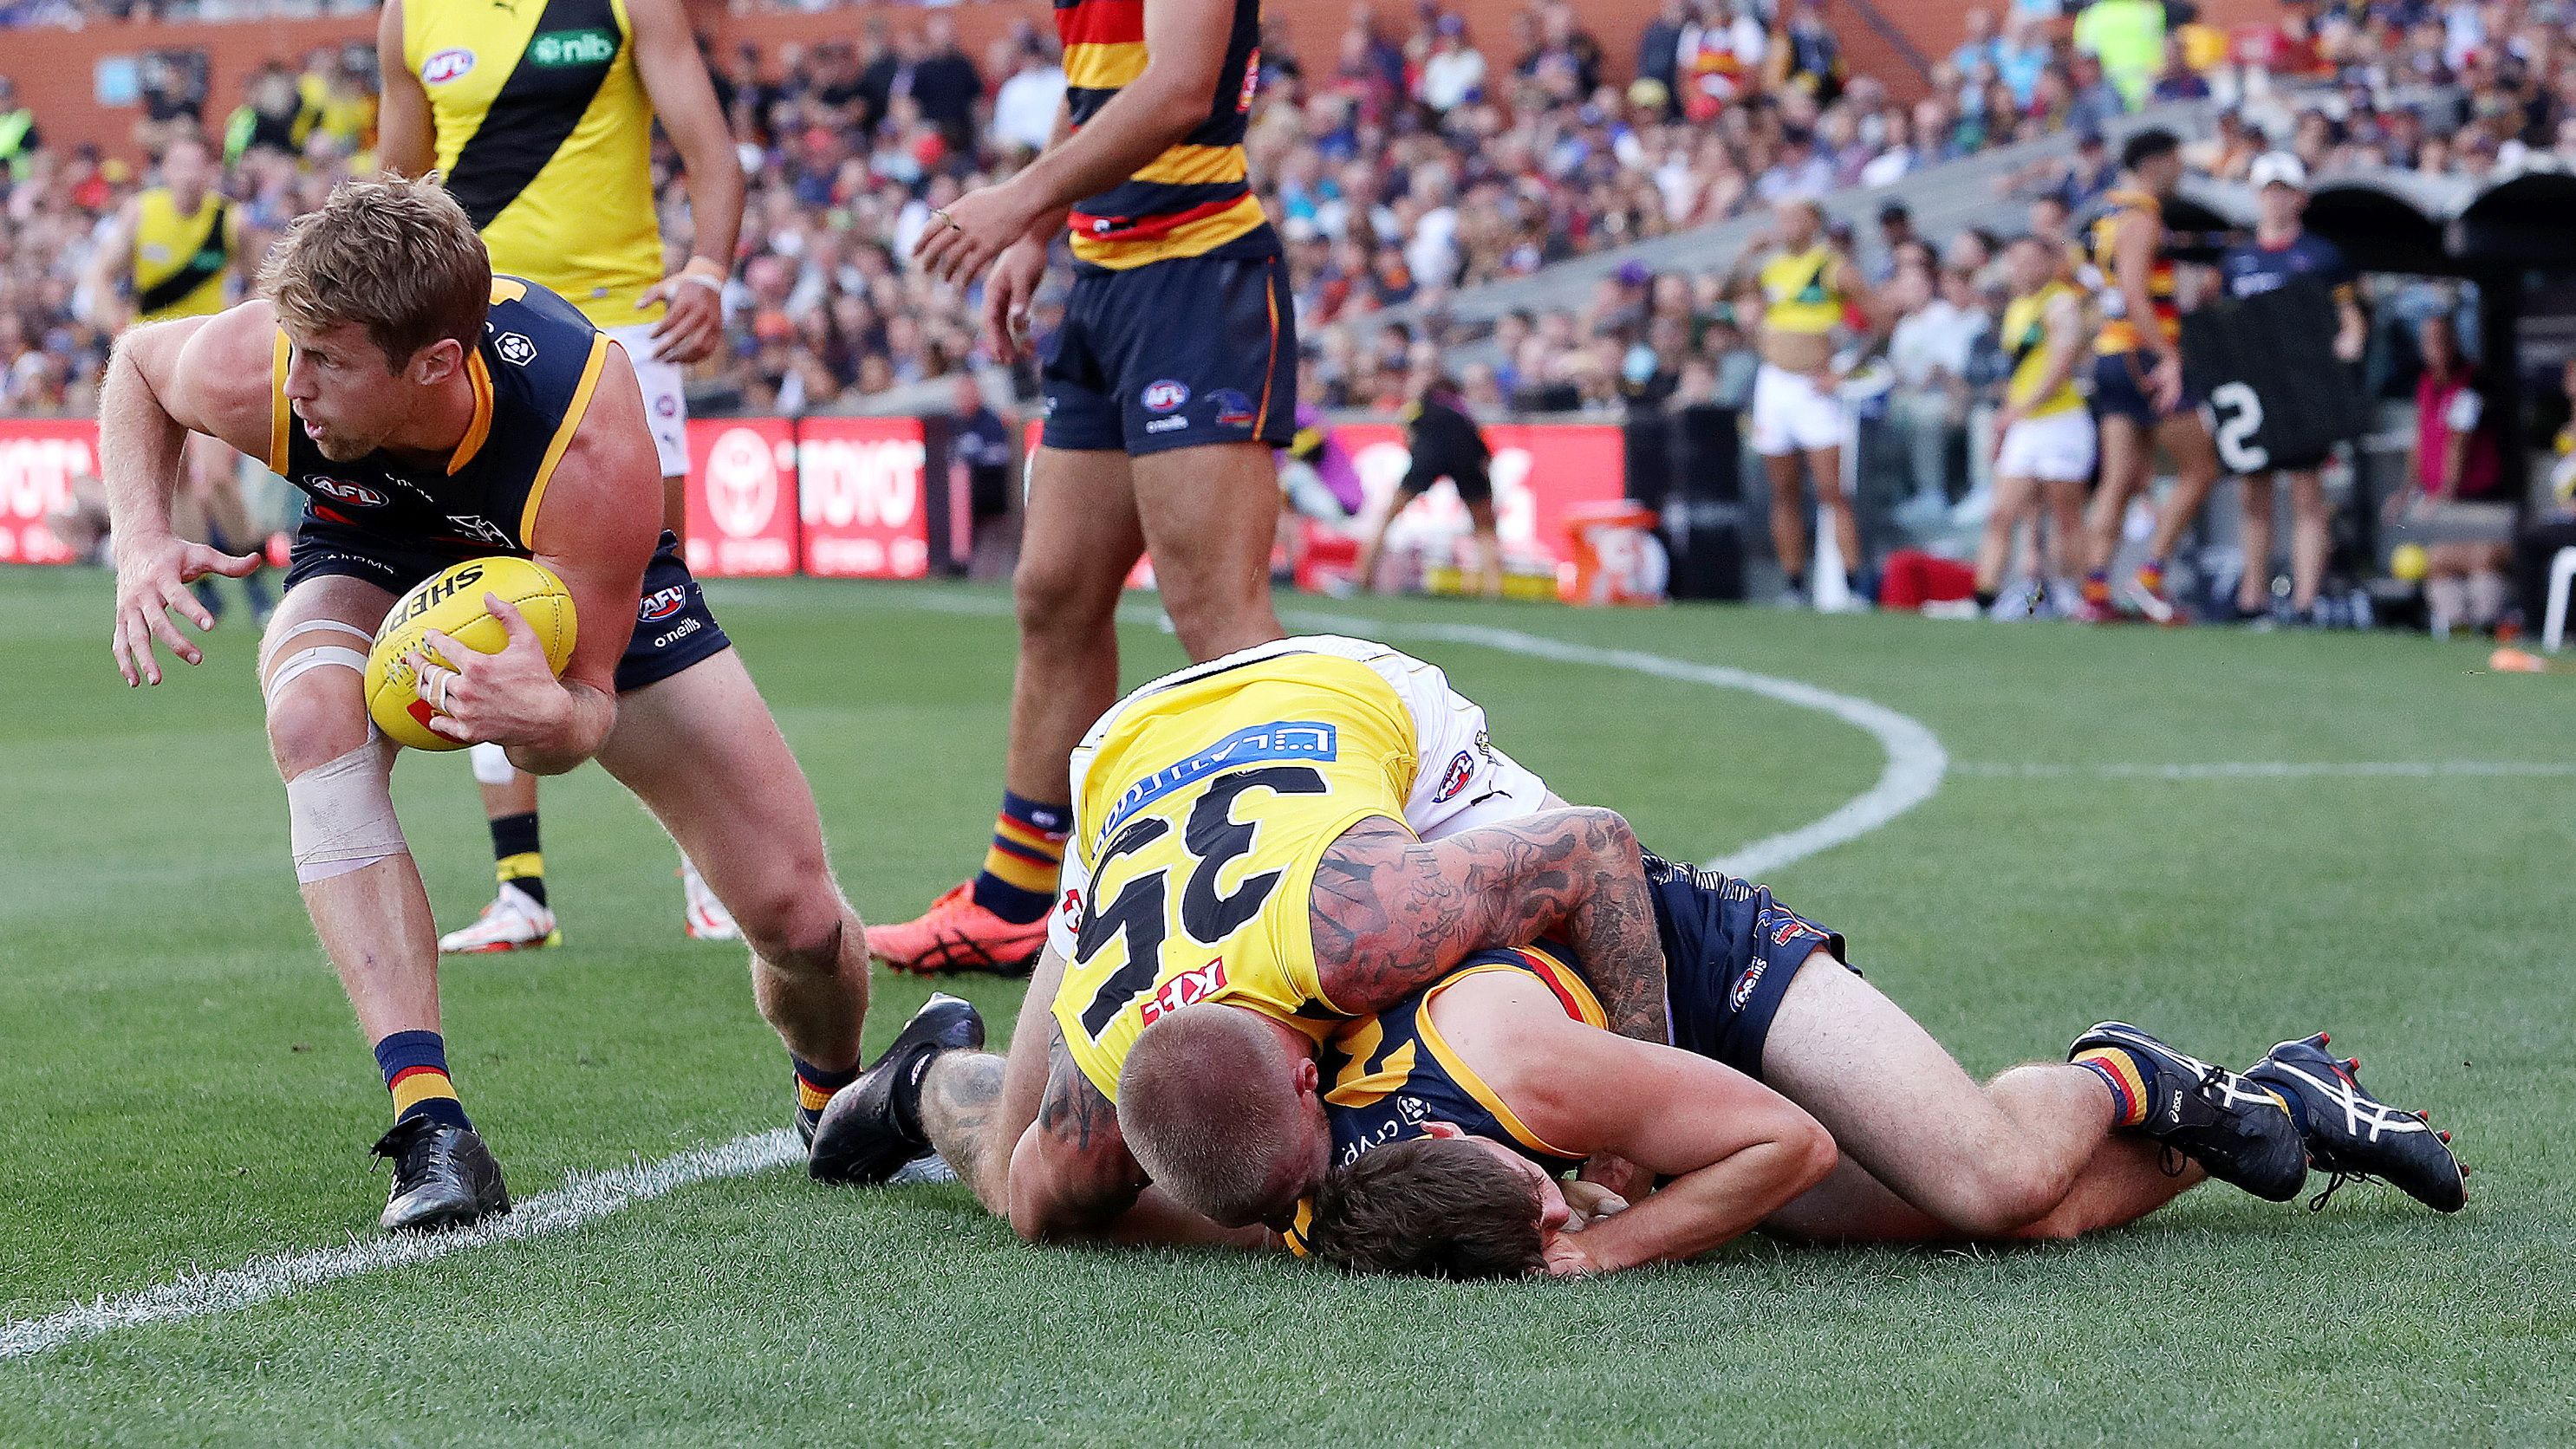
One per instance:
[(706, 917), (513, 922)]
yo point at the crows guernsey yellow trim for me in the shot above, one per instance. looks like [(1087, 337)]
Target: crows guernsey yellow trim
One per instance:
[(1192, 200), (544, 134)]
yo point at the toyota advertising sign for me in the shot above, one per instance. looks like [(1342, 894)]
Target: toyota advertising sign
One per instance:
[(862, 498)]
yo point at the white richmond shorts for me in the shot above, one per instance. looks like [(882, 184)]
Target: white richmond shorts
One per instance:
[(2056, 448), (665, 408), (1793, 414), (1460, 781)]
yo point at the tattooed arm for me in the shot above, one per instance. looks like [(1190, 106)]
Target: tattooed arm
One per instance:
[(1072, 1178), (1392, 914)]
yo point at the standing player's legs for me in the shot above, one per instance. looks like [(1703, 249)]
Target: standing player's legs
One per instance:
[(364, 892), (2065, 548), (2184, 435), (2125, 461), (1080, 541), (2254, 588), (1209, 514), (702, 752), (1489, 544), (2015, 500), (1373, 547), (1983, 1161), (2310, 522)]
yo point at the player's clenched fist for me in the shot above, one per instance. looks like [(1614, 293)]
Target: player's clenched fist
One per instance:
[(509, 698), (152, 578)]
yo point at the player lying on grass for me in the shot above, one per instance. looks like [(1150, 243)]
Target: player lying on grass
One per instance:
[(1453, 1114), (1278, 840), (433, 413)]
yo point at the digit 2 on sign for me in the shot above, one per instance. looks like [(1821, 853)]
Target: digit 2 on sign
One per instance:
[(2240, 416)]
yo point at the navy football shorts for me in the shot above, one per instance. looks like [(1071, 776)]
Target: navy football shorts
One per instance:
[(673, 626), (1175, 354), (2120, 389), (1730, 952)]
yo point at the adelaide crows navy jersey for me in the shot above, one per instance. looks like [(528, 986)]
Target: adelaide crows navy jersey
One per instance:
[(2254, 269)]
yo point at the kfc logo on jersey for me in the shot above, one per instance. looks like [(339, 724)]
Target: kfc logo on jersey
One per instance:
[(445, 66), (1187, 989), (515, 348), (1462, 766), (662, 604), (341, 491), (1165, 396)]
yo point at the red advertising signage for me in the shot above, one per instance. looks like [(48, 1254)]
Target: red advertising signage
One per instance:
[(39, 458), (862, 498), (1541, 472), (742, 497)]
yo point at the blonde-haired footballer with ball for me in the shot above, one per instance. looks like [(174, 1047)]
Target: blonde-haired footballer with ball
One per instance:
[(432, 412)]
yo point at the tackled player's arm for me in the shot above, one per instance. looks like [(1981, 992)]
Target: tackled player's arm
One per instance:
[(1732, 1150), (165, 380), (1392, 914), (1073, 1180), (597, 525), (406, 137)]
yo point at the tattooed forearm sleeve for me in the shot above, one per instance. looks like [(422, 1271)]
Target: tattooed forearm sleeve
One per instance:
[(1391, 914), (960, 1099)]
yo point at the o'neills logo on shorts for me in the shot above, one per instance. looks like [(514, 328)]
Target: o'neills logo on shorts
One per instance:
[(662, 604)]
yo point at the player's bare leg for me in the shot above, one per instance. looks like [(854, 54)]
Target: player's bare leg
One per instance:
[(2014, 499), (2185, 438), (2310, 522), (1788, 516), (2254, 590), (1983, 1160), (2124, 1181), (1081, 540), (1208, 516), (1825, 465), (364, 893), (2125, 462), (1489, 549), (702, 752), (2065, 547)]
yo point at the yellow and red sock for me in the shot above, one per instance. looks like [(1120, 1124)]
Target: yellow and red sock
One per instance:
[(1018, 879), (2120, 1072), (815, 1086), (2152, 575), (415, 1067), (2097, 587)]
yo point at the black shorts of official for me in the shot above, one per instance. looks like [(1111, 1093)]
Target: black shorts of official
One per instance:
[(1473, 483), (2120, 389), (1175, 354), (1730, 952), (674, 628)]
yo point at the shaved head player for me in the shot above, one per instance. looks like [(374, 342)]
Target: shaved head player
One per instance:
[(432, 412)]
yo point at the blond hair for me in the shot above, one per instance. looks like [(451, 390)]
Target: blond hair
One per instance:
[(1205, 1104), (395, 256)]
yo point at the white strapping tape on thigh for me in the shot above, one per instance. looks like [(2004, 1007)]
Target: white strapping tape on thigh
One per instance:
[(492, 764), (340, 815), (277, 646), (319, 656)]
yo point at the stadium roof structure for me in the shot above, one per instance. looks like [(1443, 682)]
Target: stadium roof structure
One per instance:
[(2444, 226)]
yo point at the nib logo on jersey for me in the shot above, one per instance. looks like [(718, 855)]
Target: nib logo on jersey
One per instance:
[(554, 48)]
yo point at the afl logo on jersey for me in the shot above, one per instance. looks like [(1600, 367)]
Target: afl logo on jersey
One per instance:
[(445, 66), (1164, 396), (662, 604), (341, 492), (515, 348)]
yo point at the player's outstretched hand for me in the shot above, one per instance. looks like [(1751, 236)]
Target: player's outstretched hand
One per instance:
[(509, 698), (152, 578), (692, 317), (1007, 294), (966, 235), (1588, 1202)]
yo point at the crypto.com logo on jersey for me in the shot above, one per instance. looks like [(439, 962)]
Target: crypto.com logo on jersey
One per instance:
[(742, 498)]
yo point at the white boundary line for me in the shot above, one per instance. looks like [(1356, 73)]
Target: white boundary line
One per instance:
[(1915, 762), (2276, 770)]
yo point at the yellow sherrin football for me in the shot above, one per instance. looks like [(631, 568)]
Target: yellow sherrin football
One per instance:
[(451, 602)]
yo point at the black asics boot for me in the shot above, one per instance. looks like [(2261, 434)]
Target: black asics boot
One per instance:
[(871, 1130), (2240, 1132), (444, 1177), (2353, 1135)]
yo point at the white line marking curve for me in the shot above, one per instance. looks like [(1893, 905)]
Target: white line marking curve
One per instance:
[(1915, 763)]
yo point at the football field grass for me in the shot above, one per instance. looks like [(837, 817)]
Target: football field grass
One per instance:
[(2385, 853)]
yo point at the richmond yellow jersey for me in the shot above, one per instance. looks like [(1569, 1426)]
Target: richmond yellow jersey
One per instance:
[(2028, 340), (1798, 292), (544, 134), (181, 258), (1202, 806)]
